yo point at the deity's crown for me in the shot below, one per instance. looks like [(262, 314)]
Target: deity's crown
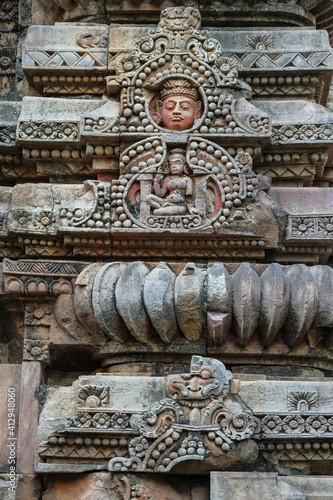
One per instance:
[(178, 152), (179, 87)]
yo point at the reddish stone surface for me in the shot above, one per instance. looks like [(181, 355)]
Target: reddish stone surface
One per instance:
[(10, 376), (28, 420)]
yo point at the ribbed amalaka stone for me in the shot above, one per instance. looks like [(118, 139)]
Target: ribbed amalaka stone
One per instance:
[(129, 300), (158, 296), (83, 300), (275, 294), (246, 302), (219, 303), (303, 304), (324, 279), (68, 322), (189, 296), (104, 301)]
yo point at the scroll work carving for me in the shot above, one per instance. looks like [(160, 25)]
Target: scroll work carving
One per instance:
[(173, 36), (179, 60), (190, 424)]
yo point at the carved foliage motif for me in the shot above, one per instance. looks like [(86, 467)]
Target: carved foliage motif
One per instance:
[(48, 130), (260, 42), (92, 396), (7, 135), (157, 55), (301, 133), (296, 424), (87, 40), (302, 400), (311, 227)]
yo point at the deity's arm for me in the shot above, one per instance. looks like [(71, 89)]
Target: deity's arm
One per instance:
[(165, 188), (158, 189), (189, 186)]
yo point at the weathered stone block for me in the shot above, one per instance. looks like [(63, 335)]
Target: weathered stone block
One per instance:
[(250, 486), (30, 383), (65, 48)]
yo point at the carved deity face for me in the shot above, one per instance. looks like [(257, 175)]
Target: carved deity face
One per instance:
[(178, 112), (176, 164), (193, 387), (208, 379)]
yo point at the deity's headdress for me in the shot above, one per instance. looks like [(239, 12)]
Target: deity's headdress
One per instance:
[(179, 87), (178, 152)]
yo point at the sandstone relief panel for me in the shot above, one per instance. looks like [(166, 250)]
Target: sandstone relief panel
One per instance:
[(185, 175), (204, 420), (190, 423), (172, 91)]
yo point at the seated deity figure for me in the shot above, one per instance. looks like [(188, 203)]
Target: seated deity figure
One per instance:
[(179, 105), (172, 192)]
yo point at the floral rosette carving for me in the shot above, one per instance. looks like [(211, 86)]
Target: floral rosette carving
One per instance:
[(303, 226), (317, 424), (303, 133), (120, 421), (48, 130), (7, 135), (101, 420), (93, 396), (293, 424), (325, 226), (81, 420), (271, 424), (36, 350)]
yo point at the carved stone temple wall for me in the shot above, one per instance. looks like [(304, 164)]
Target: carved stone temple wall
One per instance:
[(166, 239)]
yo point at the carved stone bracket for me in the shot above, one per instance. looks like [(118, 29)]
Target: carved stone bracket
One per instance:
[(190, 424), (167, 424), (40, 278)]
